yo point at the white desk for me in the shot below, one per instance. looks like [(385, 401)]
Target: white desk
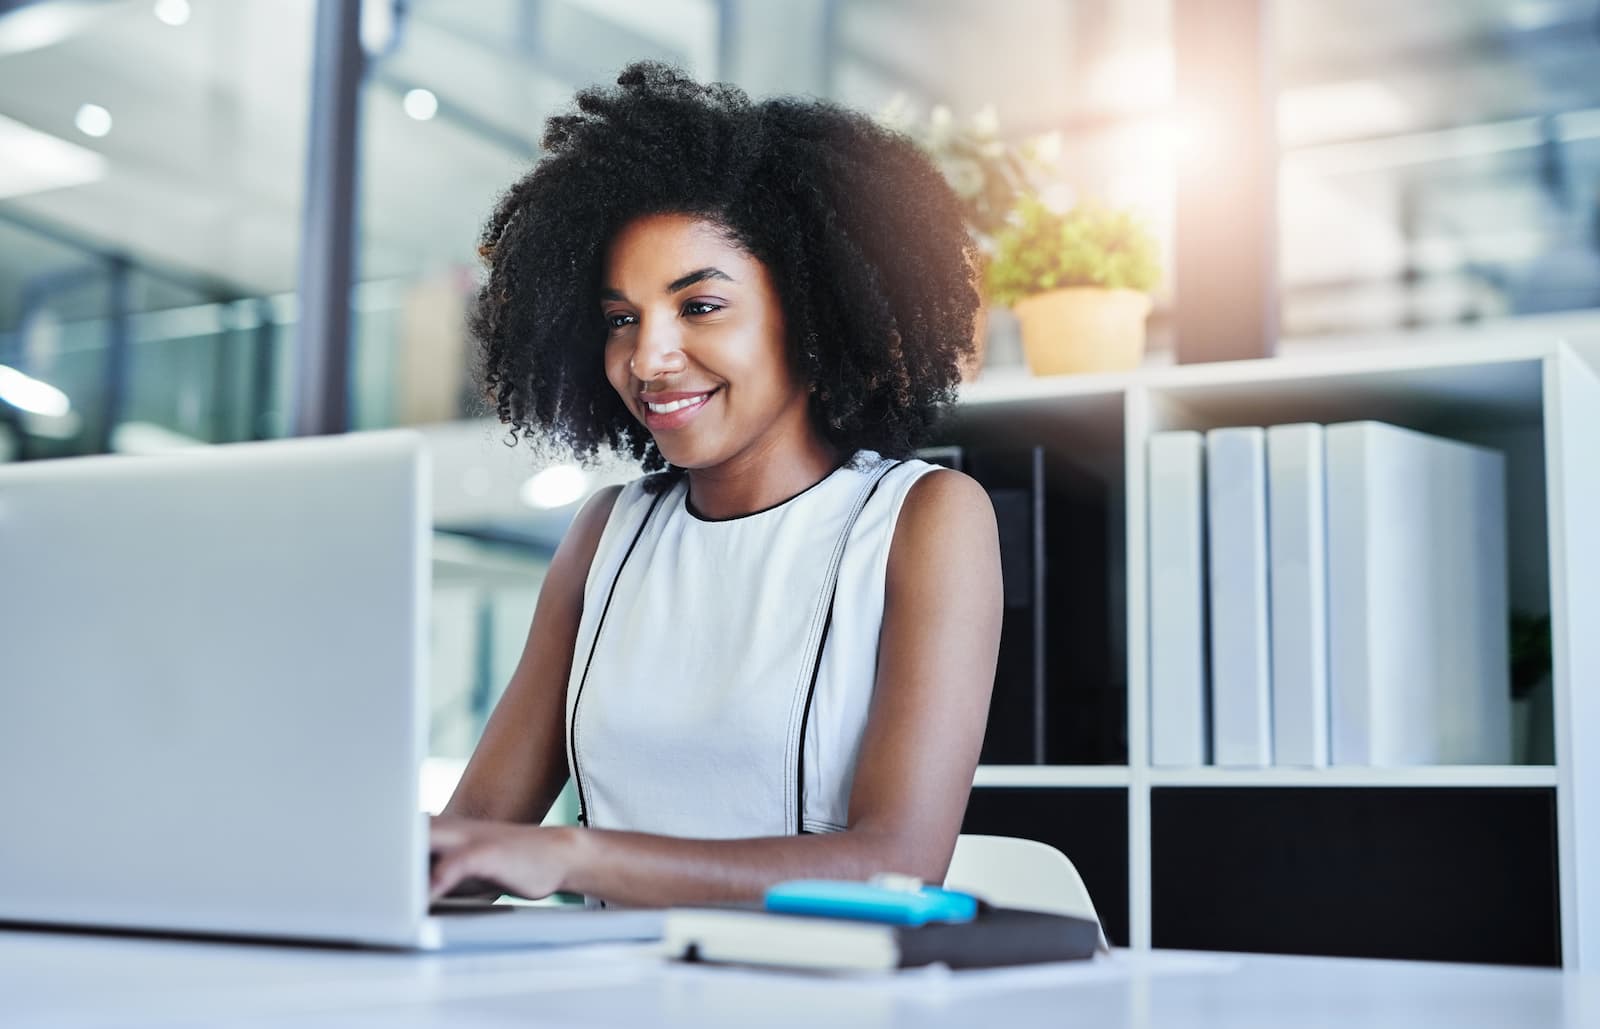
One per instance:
[(49, 979)]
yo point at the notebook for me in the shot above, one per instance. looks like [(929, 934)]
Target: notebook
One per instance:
[(996, 937)]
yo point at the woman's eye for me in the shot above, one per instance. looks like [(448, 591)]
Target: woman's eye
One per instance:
[(618, 320), (700, 307)]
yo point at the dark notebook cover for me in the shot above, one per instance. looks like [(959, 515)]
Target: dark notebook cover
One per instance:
[(998, 937)]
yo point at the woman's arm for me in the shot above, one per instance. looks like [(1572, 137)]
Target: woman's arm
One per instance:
[(519, 766), (936, 664)]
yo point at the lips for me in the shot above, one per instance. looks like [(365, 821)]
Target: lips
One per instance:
[(665, 411)]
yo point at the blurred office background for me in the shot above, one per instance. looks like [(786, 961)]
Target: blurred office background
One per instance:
[(1438, 171)]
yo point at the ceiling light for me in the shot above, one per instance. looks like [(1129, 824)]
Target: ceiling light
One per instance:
[(555, 487), (52, 426), (37, 161), (421, 104), (93, 120), (29, 394), (25, 27), (380, 27), (173, 12)]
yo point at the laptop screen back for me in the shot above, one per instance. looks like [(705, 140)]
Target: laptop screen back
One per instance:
[(211, 701)]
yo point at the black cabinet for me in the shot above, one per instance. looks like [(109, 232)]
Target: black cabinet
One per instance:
[(1435, 873)]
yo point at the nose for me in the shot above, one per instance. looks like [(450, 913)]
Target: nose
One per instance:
[(657, 351)]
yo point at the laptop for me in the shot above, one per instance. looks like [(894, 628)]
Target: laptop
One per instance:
[(213, 699)]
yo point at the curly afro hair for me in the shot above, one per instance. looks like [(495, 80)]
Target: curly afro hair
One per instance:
[(863, 239)]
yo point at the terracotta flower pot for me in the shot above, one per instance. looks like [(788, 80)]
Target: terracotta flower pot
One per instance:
[(1083, 329)]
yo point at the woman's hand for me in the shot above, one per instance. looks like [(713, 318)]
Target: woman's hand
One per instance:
[(527, 860)]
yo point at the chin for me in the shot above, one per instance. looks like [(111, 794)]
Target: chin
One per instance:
[(684, 454)]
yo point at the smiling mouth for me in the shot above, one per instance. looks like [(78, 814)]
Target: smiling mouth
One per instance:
[(677, 405), (679, 402)]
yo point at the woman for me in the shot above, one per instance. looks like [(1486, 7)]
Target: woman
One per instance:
[(772, 658)]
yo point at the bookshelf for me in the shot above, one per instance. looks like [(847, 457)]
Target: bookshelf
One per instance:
[(1051, 775), (1535, 827), (1420, 775)]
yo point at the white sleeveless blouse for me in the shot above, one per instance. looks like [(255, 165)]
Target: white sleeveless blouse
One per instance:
[(723, 669)]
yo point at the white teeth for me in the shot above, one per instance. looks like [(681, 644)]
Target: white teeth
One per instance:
[(677, 405)]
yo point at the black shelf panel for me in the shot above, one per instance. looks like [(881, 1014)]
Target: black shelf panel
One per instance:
[(1435, 873)]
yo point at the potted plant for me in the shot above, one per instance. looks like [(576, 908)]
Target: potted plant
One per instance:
[(1079, 283), (986, 173)]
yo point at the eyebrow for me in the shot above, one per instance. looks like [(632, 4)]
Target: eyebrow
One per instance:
[(682, 282), (697, 276)]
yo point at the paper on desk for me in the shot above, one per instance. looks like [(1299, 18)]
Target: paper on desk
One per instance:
[(937, 982), (735, 995)]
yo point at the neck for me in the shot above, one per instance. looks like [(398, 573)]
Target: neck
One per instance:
[(763, 475)]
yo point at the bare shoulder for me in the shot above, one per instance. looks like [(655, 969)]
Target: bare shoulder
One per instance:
[(590, 521), (946, 533), (570, 568), (944, 502)]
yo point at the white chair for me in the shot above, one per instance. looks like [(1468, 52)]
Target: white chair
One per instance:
[(1011, 872)]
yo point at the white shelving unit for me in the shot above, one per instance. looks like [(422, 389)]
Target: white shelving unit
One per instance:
[(1051, 775), (1440, 775), (1537, 401)]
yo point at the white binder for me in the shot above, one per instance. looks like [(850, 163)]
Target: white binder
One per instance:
[(1241, 674), (1297, 549), (1417, 605), (1179, 727)]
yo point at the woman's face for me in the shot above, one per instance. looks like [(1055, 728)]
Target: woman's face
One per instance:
[(695, 342)]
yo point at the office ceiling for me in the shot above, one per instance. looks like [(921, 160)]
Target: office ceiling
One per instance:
[(202, 169)]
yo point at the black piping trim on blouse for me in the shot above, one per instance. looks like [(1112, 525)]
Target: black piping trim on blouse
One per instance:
[(816, 665), (688, 503), (572, 730)]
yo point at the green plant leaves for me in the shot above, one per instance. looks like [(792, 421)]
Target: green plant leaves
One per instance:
[(1040, 250)]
